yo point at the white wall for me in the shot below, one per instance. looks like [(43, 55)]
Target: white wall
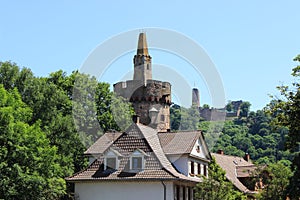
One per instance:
[(123, 190), (201, 154)]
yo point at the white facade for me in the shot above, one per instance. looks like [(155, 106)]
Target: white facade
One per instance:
[(123, 190)]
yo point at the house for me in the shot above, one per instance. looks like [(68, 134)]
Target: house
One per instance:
[(146, 161), (240, 171), (141, 163)]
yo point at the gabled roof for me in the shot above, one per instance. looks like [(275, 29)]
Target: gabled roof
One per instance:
[(137, 136), (178, 143), (231, 165), (103, 143)]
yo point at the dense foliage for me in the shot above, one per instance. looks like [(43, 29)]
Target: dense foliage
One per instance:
[(286, 112), (40, 118), (29, 167)]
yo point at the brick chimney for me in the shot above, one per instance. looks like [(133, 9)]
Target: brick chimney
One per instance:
[(220, 151), (247, 157)]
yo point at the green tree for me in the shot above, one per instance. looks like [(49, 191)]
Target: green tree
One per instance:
[(216, 186), (29, 167), (276, 182), (245, 109), (287, 113), (175, 117), (229, 107)]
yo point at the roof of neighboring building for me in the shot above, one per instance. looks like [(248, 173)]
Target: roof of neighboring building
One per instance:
[(137, 136), (233, 167), (181, 142), (245, 171)]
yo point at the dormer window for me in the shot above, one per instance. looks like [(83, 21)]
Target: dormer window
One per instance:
[(111, 159), (111, 163), (137, 163), (137, 160)]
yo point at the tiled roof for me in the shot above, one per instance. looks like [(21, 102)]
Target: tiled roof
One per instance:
[(178, 142), (102, 143), (137, 136), (245, 171), (230, 164)]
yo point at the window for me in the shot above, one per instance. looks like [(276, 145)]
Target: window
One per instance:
[(192, 168), (137, 163), (205, 170), (137, 160), (177, 192), (111, 159), (198, 149), (199, 168), (162, 118), (111, 163)]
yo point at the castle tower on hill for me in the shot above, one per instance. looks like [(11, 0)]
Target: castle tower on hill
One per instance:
[(195, 97), (151, 99)]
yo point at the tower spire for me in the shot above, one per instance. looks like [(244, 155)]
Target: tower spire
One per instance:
[(142, 48), (142, 61)]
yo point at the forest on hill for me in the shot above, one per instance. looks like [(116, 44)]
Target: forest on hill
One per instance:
[(46, 123)]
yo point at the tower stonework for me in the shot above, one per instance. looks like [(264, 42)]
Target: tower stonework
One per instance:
[(195, 97), (151, 99)]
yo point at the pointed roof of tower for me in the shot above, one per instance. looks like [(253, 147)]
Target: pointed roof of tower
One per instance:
[(142, 48)]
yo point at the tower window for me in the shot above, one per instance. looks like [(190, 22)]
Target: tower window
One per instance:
[(162, 118), (148, 66)]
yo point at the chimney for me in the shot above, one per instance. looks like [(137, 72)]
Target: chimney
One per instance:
[(136, 119), (247, 157), (220, 151)]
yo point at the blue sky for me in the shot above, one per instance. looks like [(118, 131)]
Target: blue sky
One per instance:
[(252, 43)]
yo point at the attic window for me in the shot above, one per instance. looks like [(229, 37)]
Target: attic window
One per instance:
[(137, 160), (198, 148), (111, 160), (137, 163), (111, 163)]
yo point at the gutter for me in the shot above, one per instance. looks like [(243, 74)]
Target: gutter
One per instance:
[(165, 189)]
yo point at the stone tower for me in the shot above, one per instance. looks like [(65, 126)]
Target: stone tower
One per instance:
[(195, 97), (151, 99)]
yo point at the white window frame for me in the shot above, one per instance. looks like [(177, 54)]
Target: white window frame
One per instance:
[(138, 154), (112, 153)]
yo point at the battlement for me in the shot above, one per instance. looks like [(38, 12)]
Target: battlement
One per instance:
[(153, 91)]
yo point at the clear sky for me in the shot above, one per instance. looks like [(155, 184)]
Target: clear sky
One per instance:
[(252, 43)]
